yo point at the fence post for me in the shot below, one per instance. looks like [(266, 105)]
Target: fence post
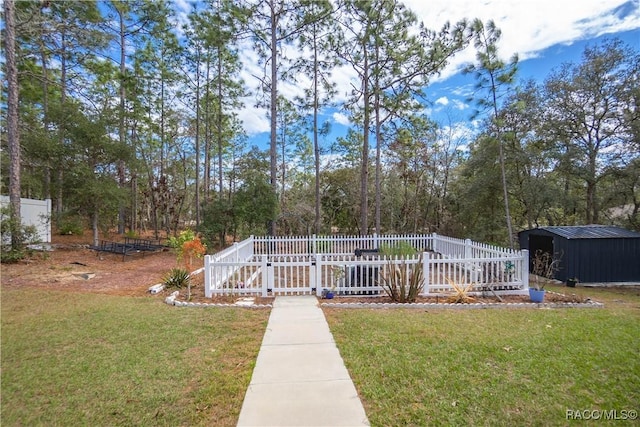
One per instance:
[(316, 273), (425, 272), (265, 275), (314, 247), (207, 276), (525, 268), (434, 242), (467, 249)]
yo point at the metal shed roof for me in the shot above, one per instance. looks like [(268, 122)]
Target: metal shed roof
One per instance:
[(591, 232)]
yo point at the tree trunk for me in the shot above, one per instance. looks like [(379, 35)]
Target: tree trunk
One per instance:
[(378, 161), (376, 103), (197, 142), (364, 172), (63, 121), (274, 112), (505, 193), (45, 112), (316, 145), (13, 137), (94, 226), (591, 211), (121, 124), (219, 130), (206, 174), (592, 183)]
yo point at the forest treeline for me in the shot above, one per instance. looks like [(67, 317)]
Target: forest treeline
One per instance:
[(128, 121)]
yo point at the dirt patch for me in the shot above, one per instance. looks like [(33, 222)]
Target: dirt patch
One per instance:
[(71, 266)]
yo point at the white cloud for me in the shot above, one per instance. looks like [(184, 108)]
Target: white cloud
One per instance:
[(341, 118), (459, 105), (445, 103), (182, 8), (528, 26), (255, 120)]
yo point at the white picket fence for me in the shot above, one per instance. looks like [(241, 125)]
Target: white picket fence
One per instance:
[(334, 245), (309, 264)]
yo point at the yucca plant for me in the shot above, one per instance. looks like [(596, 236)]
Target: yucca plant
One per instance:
[(401, 283), (460, 293), (176, 278)]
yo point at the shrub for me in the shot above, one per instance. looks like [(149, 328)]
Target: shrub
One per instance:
[(177, 278), (70, 226), (403, 283), (401, 248), (176, 242), (131, 234), (460, 293), (28, 234), (545, 265)]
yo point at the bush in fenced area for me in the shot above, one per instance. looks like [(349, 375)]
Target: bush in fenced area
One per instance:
[(403, 283), (460, 293), (545, 266), (400, 248)]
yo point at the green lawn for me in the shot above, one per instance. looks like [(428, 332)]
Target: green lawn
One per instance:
[(85, 359), (82, 359), (493, 367)]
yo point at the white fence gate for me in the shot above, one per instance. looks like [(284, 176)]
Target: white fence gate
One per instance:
[(281, 275), (291, 275)]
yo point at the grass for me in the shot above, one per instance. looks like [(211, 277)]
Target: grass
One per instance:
[(493, 367), (86, 359)]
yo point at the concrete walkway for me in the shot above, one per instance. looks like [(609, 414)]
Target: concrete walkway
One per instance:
[(299, 378)]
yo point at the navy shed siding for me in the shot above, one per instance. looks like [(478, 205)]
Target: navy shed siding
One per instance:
[(591, 253)]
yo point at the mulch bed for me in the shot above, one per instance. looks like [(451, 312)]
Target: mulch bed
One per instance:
[(550, 297)]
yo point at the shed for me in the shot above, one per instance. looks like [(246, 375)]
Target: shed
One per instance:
[(591, 253)]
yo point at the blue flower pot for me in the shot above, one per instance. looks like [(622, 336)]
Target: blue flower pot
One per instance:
[(329, 295), (536, 295)]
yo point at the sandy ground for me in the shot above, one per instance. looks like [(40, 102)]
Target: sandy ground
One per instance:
[(72, 266)]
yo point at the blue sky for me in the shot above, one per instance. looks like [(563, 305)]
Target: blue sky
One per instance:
[(544, 33), (538, 68)]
